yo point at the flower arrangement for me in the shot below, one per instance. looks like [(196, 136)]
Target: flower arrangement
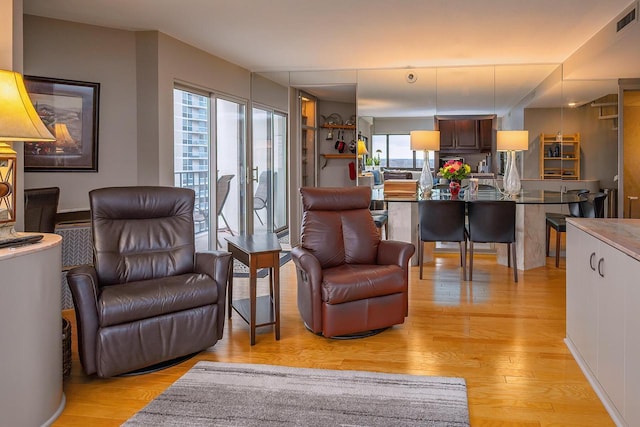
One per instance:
[(455, 170)]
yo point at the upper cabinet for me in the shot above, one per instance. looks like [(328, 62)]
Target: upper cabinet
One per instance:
[(465, 134)]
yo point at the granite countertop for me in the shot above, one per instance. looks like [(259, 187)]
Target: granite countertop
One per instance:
[(622, 234)]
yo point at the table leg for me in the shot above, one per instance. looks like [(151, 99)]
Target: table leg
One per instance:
[(252, 298), (230, 294), (276, 294)]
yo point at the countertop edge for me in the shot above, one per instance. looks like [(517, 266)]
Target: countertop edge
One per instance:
[(620, 233)]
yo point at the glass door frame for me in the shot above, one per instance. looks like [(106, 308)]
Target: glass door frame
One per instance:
[(253, 178)]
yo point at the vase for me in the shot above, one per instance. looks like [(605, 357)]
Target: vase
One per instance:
[(426, 179), (511, 181), (454, 187)]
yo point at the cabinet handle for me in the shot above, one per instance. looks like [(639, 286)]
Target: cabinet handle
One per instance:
[(600, 265), (591, 258)]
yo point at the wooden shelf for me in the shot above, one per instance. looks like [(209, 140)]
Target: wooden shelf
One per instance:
[(326, 157), (556, 167), (330, 126)]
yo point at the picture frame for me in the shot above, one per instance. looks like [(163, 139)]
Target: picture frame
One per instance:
[(69, 109)]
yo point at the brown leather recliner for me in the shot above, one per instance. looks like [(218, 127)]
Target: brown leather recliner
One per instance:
[(349, 281), (149, 297)]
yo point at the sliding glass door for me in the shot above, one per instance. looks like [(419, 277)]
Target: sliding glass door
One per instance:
[(203, 121), (269, 171), (230, 160)]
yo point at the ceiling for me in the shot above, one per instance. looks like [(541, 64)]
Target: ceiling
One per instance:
[(374, 43)]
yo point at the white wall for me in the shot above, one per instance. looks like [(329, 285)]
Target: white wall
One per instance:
[(65, 50), (137, 72)]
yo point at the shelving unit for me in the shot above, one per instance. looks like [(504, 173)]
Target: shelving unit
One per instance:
[(560, 156), (336, 155)]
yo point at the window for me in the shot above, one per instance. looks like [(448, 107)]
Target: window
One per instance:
[(396, 152)]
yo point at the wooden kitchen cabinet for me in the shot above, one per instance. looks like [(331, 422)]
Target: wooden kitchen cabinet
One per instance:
[(465, 135)]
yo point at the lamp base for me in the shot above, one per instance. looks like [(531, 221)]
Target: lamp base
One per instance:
[(7, 230), (426, 179), (511, 180)]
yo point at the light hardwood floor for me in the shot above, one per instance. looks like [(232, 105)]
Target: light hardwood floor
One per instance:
[(505, 339)]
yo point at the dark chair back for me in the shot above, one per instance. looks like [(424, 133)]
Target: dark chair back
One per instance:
[(142, 233), (593, 207), (492, 221), (441, 220), (574, 208), (40, 209)]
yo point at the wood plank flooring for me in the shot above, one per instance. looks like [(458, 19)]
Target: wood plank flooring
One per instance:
[(505, 339)]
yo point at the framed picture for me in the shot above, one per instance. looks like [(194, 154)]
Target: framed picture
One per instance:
[(70, 110)]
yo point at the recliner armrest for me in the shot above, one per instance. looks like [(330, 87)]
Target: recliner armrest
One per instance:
[(216, 264), (83, 282), (219, 265), (395, 252), (310, 275), (307, 262)]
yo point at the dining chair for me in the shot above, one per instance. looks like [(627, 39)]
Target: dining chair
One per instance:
[(442, 221), (40, 209), (222, 192), (593, 206), (559, 222), (493, 221), (261, 196), (380, 216)]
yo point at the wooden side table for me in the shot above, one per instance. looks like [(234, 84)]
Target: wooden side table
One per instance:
[(257, 251)]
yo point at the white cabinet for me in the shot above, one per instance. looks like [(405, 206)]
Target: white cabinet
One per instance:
[(603, 321), (632, 353), (582, 314)]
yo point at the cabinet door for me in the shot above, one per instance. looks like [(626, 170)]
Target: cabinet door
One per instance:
[(582, 309), (632, 342), (485, 134), (447, 134), (611, 278), (466, 134)]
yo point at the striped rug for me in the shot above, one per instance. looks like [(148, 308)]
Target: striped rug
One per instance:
[(231, 394)]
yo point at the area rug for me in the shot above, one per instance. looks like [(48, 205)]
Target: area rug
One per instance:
[(233, 394), (241, 270)]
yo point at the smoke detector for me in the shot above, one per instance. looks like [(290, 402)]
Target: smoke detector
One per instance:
[(411, 77)]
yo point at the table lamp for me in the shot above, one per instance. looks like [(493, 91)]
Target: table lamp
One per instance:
[(362, 150), (425, 140), (512, 141), (63, 137), (19, 121)]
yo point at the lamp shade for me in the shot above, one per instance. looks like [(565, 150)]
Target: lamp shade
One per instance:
[(19, 121), (427, 140), (362, 148), (512, 140), (63, 137)]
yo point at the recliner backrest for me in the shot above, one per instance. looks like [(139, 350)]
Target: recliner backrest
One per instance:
[(337, 227), (142, 233)]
